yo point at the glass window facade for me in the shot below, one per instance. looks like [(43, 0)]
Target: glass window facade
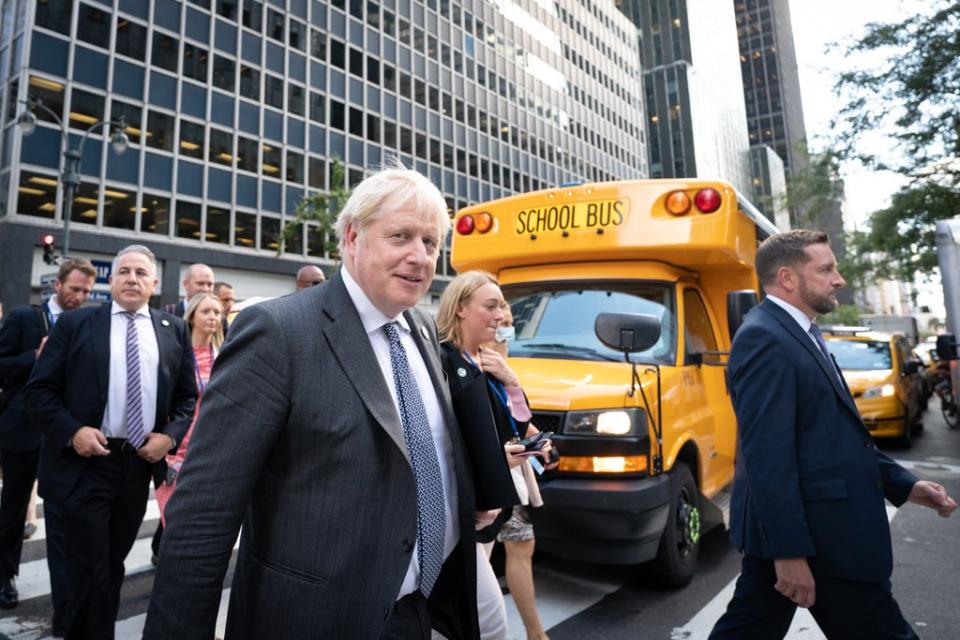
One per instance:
[(236, 108)]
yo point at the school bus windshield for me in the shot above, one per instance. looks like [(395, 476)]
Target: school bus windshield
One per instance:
[(556, 320)]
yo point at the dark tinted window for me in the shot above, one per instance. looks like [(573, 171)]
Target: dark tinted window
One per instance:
[(165, 51), (93, 25), (131, 39), (55, 15)]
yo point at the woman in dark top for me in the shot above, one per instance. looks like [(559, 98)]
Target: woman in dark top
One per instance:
[(488, 400)]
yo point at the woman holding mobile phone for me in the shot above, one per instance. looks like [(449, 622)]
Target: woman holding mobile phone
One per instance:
[(471, 310)]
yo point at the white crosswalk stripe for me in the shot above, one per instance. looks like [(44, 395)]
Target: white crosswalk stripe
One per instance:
[(560, 596)]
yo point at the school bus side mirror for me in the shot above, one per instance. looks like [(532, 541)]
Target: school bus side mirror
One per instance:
[(627, 332), (738, 304), (947, 347)]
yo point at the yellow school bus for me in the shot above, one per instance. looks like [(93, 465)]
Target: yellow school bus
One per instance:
[(625, 296)]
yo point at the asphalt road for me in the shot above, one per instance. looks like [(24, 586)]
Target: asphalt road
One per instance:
[(586, 601), (926, 580)]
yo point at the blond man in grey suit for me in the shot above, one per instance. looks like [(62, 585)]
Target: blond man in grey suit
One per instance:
[(327, 432)]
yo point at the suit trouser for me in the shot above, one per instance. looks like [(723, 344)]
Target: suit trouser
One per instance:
[(56, 555), (19, 473), (844, 609), (102, 517), (409, 620)]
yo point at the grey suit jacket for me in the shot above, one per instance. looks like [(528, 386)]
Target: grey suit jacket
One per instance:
[(299, 441)]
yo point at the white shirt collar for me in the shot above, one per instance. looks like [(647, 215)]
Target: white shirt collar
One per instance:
[(371, 317), (116, 308), (802, 319), (54, 306)]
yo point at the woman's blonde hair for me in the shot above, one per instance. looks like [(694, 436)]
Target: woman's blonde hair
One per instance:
[(458, 292), (398, 185), (191, 312)]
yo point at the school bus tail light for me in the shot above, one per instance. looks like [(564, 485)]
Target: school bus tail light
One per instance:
[(483, 222), (678, 203), (603, 464), (465, 225), (707, 200)]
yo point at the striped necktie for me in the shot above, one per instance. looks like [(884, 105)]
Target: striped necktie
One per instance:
[(135, 435), (431, 515)]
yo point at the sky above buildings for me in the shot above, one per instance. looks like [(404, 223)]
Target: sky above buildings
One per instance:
[(817, 24)]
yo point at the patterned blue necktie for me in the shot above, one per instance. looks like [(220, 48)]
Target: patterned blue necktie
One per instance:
[(431, 517), (818, 336), (135, 435)]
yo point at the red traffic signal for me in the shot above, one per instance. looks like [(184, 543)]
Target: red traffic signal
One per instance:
[(49, 253)]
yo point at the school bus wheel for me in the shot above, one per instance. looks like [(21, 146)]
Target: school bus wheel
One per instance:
[(680, 543)]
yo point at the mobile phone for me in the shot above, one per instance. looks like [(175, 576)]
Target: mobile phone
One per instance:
[(536, 442)]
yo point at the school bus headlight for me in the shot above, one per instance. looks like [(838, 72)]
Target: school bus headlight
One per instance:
[(603, 464), (482, 222), (883, 391), (621, 422), (678, 203)]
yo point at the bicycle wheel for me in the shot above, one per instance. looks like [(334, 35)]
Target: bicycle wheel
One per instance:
[(949, 409)]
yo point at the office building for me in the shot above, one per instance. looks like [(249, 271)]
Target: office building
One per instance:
[(696, 125), (236, 109), (771, 82), (769, 185)]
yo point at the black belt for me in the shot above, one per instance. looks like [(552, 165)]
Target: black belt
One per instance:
[(120, 444)]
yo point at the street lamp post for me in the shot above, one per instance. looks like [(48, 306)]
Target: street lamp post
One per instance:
[(70, 175)]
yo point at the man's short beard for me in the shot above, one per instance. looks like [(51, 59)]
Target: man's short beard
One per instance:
[(820, 304)]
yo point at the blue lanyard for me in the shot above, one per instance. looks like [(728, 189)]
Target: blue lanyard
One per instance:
[(501, 392)]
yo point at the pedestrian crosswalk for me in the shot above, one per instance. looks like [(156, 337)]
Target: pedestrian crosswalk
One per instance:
[(562, 593)]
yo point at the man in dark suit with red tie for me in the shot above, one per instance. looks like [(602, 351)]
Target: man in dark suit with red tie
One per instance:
[(22, 337), (112, 392), (808, 497)]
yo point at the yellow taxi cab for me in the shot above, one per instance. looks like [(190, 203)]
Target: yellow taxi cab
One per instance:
[(883, 377)]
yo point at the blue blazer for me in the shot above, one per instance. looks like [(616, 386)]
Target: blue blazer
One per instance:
[(20, 335), (809, 481), (70, 383)]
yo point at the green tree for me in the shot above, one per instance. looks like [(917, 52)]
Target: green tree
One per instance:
[(900, 244), (815, 188), (845, 314), (913, 93), (320, 208)]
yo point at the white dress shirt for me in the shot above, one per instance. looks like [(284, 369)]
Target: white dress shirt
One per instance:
[(373, 320), (55, 310), (802, 319), (115, 416)]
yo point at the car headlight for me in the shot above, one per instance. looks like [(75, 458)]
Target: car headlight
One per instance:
[(883, 391), (615, 422)]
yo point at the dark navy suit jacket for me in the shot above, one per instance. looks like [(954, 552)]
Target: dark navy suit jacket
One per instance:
[(809, 481), (70, 383), (20, 335)]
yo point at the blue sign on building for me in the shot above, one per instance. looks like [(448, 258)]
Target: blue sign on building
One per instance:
[(104, 268)]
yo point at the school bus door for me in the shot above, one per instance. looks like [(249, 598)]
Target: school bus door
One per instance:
[(705, 394)]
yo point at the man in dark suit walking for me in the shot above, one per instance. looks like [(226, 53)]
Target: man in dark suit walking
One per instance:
[(327, 431), (808, 499), (112, 392), (198, 279), (22, 337)]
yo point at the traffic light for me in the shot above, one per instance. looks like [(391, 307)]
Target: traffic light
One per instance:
[(49, 251)]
